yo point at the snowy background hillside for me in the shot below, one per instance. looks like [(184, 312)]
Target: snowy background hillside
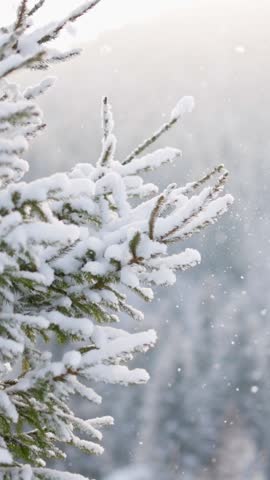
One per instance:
[(205, 414)]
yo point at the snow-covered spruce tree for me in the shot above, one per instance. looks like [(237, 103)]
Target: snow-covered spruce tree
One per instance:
[(72, 246)]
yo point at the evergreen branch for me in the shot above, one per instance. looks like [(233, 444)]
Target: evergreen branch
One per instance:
[(199, 183), (154, 215), (105, 118), (21, 14), (211, 195), (36, 7), (75, 15), (133, 244), (149, 141), (108, 151), (64, 56), (27, 62)]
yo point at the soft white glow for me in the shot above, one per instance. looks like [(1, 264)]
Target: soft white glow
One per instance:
[(107, 15)]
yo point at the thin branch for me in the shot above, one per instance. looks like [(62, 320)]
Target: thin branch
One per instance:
[(194, 185), (212, 194), (27, 62), (105, 118), (21, 14), (155, 215), (36, 7), (79, 12), (149, 141)]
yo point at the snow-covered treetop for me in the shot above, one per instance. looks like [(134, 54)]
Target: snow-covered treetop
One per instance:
[(71, 247)]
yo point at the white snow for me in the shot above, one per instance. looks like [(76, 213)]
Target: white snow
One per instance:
[(185, 105), (7, 408), (40, 89)]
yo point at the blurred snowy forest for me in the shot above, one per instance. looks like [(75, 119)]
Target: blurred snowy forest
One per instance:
[(205, 414)]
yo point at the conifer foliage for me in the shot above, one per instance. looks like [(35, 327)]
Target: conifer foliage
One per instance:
[(72, 246)]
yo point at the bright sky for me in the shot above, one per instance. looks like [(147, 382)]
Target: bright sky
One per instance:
[(106, 15)]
